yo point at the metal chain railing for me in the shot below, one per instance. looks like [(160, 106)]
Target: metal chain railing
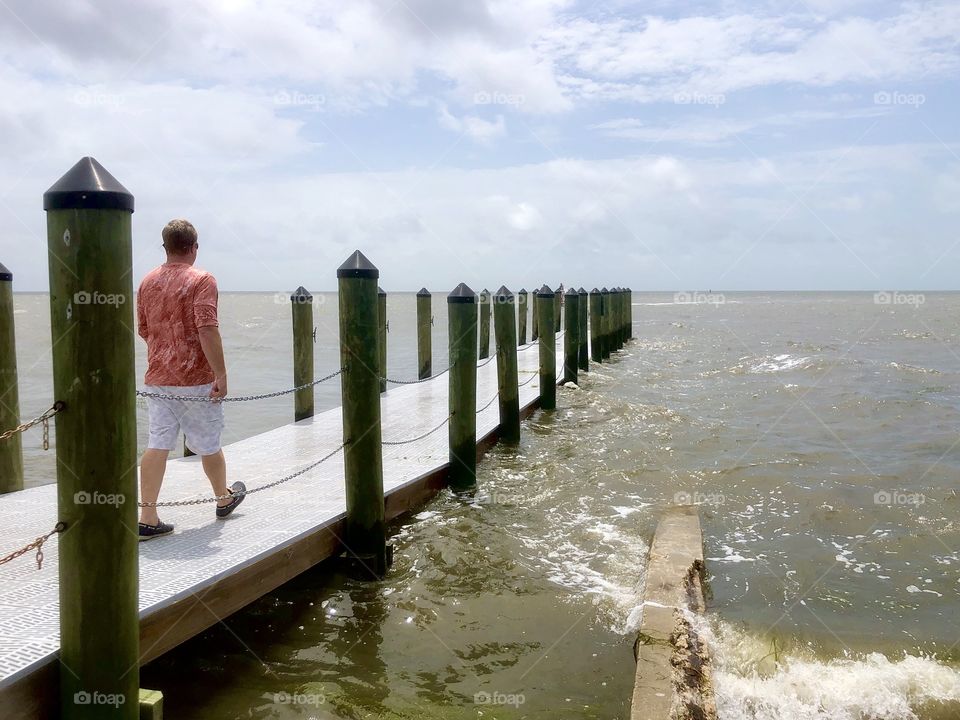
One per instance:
[(237, 398), (200, 501), (534, 374), (415, 382), (487, 361), (419, 437), (489, 403), (44, 418), (38, 544)]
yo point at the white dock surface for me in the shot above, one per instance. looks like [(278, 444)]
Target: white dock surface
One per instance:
[(204, 549)]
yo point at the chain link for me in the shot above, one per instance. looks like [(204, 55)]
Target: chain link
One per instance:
[(217, 498), (488, 360), (238, 398), (419, 437), (44, 418), (38, 544)]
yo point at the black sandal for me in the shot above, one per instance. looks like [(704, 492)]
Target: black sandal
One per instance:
[(239, 492)]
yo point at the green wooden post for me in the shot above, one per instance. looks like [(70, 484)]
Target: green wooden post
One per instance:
[(11, 449), (582, 331), (596, 349), (187, 452), (382, 337), (151, 705), (462, 388), (424, 334), (605, 309), (571, 341), (484, 324), (522, 316), (621, 311), (360, 328), (629, 313), (301, 303), (89, 244), (505, 331), (545, 307), (557, 309), (534, 316)]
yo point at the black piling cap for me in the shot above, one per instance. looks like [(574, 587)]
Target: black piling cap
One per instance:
[(5, 274), (523, 291), (604, 291), (581, 291), (594, 292), (88, 186), (503, 293), (462, 294), (357, 266), (381, 292), (484, 294), (559, 288), (545, 291), (423, 293), (572, 292), (301, 295)]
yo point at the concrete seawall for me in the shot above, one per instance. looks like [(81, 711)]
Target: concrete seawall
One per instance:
[(673, 677)]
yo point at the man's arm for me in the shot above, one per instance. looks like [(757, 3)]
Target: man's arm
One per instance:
[(213, 350)]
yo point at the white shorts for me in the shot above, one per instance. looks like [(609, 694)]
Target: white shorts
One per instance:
[(202, 422)]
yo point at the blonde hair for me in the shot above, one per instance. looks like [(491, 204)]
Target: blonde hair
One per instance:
[(179, 236)]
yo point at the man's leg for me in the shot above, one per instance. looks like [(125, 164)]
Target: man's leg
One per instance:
[(153, 464), (215, 466)]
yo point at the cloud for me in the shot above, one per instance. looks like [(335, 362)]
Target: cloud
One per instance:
[(476, 128)]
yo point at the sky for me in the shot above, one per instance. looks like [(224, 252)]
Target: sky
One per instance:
[(665, 145)]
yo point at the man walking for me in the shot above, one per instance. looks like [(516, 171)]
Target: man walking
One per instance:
[(177, 316)]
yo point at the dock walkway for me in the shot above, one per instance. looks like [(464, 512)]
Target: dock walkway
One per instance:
[(209, 567)]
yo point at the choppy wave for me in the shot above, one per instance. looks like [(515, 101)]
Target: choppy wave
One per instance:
[(755, 681)]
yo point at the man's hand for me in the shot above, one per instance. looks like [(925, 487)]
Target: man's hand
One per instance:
[(219, 389)]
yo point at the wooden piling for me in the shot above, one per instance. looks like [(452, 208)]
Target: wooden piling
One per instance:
[(505, 332), (522, 316), (361, 310), (619, 317), (424, 334), (534, 317), (545, 306), (557, 309), (187, 452), (11, 449), (301, 304), (462, 388), (629, 314), (605, 323), (582, 330), (382, 337), (484, 324), (596, 348), (89, 243), (571, 340)]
